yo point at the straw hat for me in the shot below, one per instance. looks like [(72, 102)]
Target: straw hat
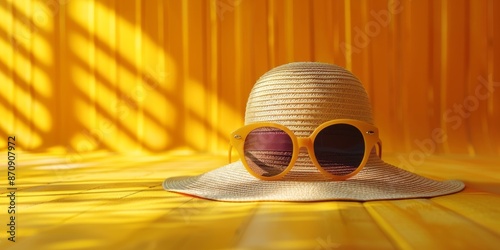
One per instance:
[(302, 96)]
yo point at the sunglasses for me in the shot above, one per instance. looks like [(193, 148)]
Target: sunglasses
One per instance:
[(338, 148)]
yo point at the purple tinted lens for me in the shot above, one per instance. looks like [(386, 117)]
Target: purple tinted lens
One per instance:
[(339, 148), (268, 151)]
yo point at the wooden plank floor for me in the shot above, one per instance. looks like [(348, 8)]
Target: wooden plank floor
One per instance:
[(108, 201)]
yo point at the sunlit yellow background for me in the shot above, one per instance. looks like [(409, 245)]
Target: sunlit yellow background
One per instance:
[(169, 79), (156, 76)]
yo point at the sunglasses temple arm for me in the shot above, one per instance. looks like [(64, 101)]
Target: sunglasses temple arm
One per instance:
[(379, 143), (230, 151)]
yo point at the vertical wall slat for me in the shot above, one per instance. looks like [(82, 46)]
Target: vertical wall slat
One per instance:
[(42, 61), (280, 32), (361, 42), (380, 77), (348, 33), (252, 60), (194, 78), (271, 33), (415, 71), (434, 62), (494, 73), (104, 131), (212, 34), (454, 68), (338, 17), (65, 117), (299, 30), (8, 45), (157, 108), (400, 27), (138, 44), (33, 138), (127, 105), (260, 30), (24, 29), (227, 96), (396, 97), (321, 28), (477, 125)]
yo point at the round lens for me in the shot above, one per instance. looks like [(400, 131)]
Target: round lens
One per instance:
[(268, 151), (339, 149)]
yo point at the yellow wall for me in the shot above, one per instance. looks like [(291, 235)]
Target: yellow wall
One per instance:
[(153, 76)]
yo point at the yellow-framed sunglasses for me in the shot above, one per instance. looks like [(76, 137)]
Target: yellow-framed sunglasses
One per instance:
[(338, 148)]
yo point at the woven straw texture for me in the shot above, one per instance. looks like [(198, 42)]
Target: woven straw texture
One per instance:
[(302, 96)]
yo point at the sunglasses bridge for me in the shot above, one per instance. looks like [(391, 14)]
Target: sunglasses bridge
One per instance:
[(305, 142)]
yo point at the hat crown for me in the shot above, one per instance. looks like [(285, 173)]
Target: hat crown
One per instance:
[(303, 95)]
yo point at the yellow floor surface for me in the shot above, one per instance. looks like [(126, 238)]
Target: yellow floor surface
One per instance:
[(108, 201)]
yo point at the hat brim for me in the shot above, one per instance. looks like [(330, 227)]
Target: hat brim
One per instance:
[(377, 181)]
